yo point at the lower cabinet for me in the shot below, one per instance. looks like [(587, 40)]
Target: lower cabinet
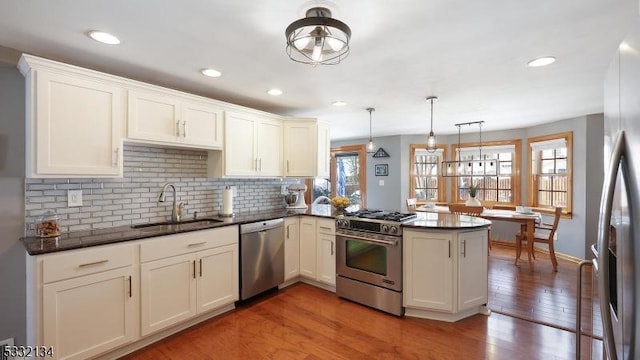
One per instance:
[(308, 249), (291, 247), (175, 288), (445, 273), (317, 249)]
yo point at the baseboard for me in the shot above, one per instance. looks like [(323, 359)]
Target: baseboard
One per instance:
[(559, 255)]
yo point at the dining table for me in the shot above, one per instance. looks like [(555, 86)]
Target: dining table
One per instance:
[(528, 219)]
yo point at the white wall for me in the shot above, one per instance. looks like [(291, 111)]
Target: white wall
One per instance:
[(12, 254)]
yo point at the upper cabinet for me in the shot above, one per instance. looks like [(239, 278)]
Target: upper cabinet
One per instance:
[(74, 121), (306, 148), (253, 147), (164, 118)]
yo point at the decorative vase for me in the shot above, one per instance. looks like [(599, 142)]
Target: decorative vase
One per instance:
[(472, 201)]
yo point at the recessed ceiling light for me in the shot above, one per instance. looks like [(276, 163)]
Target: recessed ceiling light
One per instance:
[(211, 72), (274, 92), (104, 37), (339, 103), (543, 61)]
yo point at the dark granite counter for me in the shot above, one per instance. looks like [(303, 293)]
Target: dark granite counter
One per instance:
[(82, 239), (446, 221)]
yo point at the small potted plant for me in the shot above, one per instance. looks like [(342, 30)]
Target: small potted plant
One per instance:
[(472, 201)]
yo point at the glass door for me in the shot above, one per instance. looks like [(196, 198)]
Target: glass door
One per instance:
[(348, 177)]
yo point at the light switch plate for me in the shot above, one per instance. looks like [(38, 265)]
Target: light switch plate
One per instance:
[(74, 198), (381, 182)]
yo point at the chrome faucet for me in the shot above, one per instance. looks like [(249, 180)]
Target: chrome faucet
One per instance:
[(176, 210)]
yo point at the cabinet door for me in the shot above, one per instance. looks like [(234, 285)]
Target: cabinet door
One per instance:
[(300, 148), (308, 247), (428, 275), (201, 125), (153, 117), (168, 292), (269, 146), (88, 315), (472, 269), (239, 151), (326, 259), (324, 151), (77, 128), (291, 248), (217, 277)]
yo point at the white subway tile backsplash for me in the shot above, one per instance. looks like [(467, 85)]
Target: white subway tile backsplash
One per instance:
[(133, 198)]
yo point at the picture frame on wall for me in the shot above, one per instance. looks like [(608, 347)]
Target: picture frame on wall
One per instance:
[(382, 169)]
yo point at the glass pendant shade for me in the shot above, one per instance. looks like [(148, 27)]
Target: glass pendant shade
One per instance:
[(318, 39), (432, 144), (371, 146)]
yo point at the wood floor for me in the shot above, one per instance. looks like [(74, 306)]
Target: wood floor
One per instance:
[(304, 322)]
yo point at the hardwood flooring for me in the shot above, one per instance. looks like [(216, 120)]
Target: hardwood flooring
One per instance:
[(304, 322)]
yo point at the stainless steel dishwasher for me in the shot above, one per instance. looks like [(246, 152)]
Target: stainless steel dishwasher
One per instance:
[(261, 256)]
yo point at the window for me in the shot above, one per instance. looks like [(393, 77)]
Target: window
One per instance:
[(497, 178), (551, 176), (348, 176), (425, 184)]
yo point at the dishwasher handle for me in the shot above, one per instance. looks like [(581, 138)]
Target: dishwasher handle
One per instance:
[(261, 226)]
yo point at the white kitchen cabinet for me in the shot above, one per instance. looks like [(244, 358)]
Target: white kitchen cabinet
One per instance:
[(326, 253), (74, 122), (187, 274), (253, 147), (89, 300), (160, 117), (308, 248), (445, 273), (306, 148), (291, 247)]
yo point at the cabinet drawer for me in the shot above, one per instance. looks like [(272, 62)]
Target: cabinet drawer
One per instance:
[(84, 262), (327, 227), (171, 245)]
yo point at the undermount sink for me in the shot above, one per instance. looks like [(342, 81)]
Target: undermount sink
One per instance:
[(181, 225)]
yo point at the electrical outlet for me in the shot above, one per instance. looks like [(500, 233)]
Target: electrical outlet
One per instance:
[(381, 182), (74, 198)]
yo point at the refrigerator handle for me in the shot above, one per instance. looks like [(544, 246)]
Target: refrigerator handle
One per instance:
[(606, 205)]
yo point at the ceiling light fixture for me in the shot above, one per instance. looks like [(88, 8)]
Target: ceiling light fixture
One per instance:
[(274, 92), (339, 103), (104, 37), (431, 140), (371, 147), (480, 167), (543, 61), (318, 39), (211, 72)]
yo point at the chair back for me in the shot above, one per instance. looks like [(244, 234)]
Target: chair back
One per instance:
[(556, 221), (465, 210), (411, 204)]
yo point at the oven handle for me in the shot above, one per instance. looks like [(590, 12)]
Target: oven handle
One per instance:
[(393, 243)]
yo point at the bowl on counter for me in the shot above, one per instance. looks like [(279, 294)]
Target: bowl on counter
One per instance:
[(291, 198)]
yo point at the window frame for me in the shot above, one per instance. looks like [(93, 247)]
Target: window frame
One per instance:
[(532, 198), (442, 196), (515, 168)]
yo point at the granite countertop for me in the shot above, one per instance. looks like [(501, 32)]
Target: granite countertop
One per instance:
[(82, 239), (446, 221)]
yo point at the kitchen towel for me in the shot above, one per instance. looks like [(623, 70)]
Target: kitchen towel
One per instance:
[(227, 201)]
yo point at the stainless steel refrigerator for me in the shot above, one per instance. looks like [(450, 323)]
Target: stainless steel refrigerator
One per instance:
[(618, 246)]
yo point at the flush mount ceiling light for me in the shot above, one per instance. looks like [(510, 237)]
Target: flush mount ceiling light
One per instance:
[(104, 37), (431, 140), (543, 61), (211, 72), (339, 103), (274, 92), (318, 39), (371, 147)]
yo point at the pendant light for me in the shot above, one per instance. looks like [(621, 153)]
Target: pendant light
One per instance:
[(371, 147), (484, 167), (431, 140)]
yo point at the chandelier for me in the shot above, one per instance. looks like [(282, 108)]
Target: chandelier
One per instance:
[(480, 166), (318, 39)]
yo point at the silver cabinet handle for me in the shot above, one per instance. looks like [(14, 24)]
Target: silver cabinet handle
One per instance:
[(256, 163), (178, 128), (116, 162), (194, 269), (464, 248), (130, 286), (449, 249), (288, 231), (287, 166), (260, 164), (196, 244), (184, 128), (332, 248), (618, 160), (93, 263), (200, 267)]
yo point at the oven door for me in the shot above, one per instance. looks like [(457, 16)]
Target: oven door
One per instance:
[(374, 261)]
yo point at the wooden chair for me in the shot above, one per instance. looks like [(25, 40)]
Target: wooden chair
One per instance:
[(463, 209), (543, 233), (411, 205)]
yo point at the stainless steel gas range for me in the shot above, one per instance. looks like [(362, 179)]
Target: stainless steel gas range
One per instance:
[(369, 258)]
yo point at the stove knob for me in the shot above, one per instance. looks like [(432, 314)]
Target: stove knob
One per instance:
[(385, 228), (344, 223), (394, 229)]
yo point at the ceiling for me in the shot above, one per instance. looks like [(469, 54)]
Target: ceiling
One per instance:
[(471, 54)]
